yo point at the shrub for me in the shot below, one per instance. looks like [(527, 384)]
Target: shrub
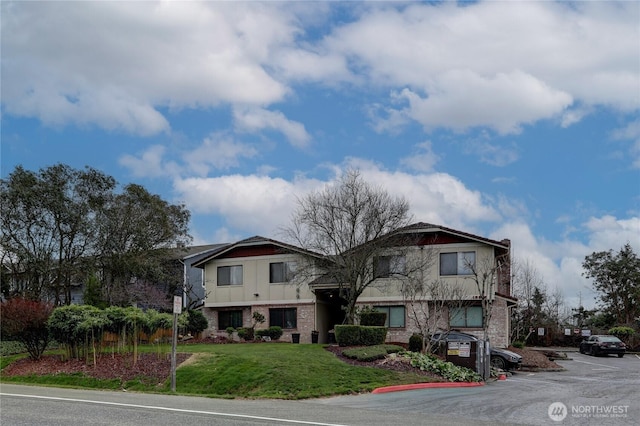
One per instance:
[(245, 333), (262, 332), (518, 344), (415, 343), (230, 331), (275, 332), (622, 332), (371, 353), (357, 335), (370, 335), (347, 335), (26, 321), (370, 317), (258, 318), (197, 322), (448, 370)]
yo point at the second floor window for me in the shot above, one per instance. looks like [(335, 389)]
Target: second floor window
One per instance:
[(387, 266), (229, 275), (458, 263), (281, 272)]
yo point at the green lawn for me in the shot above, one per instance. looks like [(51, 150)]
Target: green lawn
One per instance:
[(261, 370)]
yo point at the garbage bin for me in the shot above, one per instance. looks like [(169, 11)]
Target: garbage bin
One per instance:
[(314, 337), (295, 337)]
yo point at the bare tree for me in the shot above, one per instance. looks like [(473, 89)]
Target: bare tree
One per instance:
[(348, 223), (486, 272), (526, 279)]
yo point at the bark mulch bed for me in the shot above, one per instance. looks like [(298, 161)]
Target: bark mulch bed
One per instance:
[(533, 360), (390, 363), (152, 368)]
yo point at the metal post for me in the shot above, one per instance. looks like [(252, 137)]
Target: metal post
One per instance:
[(173, 352), (177, 310)]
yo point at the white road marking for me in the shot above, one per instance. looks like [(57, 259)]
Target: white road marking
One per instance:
[(637, 356), (600, 365), (178, 410)]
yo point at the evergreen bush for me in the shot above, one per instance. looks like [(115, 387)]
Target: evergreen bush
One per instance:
[(415, 343)]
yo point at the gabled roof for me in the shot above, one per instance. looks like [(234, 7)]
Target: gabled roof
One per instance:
[(255, 241), (194, 251), (431, 228), (200, 252)]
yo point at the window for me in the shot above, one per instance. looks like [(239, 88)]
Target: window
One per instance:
[(283, 317), (395, 315), (229, 275), (386, 266), (281, 272), (469, 317), (228, 319), (460, 263)]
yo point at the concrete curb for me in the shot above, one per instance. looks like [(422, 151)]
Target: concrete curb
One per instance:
[(414, 386)]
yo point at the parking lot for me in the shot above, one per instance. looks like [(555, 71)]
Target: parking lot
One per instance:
[(592, 390)]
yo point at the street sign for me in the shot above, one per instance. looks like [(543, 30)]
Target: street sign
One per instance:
[(177, 305)]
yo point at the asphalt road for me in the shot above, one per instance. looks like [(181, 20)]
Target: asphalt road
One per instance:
[(594, 390), (30, 405), (591, 389)]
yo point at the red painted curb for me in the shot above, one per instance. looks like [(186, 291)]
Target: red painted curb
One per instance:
[(414, 386)]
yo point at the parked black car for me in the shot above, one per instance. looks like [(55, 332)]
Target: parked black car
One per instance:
[(500, 358), (602, 345)]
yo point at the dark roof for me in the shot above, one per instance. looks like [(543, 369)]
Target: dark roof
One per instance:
[(193, 250), (218, 250), (253, 241), (429, 227)]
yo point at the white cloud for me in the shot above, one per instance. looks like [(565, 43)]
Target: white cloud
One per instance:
[(496, 64), (218, 151), (630, 132), (492, 154), (150, 163), (464, 99), (256, 204), (257, 119), (572, 116), (423, 159), (608, 232), (74, 64), (261, 204), (560, 261), (117, 64)]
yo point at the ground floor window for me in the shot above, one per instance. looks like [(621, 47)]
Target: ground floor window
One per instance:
[(468, 316), (395, 316), (228, 319), (283, 317)]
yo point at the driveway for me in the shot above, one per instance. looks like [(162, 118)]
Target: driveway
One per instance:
[(592, 390)]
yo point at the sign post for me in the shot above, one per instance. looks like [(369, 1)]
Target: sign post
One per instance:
[(177, 310)]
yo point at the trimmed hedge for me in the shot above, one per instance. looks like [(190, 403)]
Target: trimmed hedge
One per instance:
[(371, 353), (359, 335), (373, 318), (274, 332)]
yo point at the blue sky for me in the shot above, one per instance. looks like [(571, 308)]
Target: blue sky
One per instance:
[(510, 120)]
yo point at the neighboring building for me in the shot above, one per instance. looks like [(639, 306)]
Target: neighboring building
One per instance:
[(194, 291), (255, 275)]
